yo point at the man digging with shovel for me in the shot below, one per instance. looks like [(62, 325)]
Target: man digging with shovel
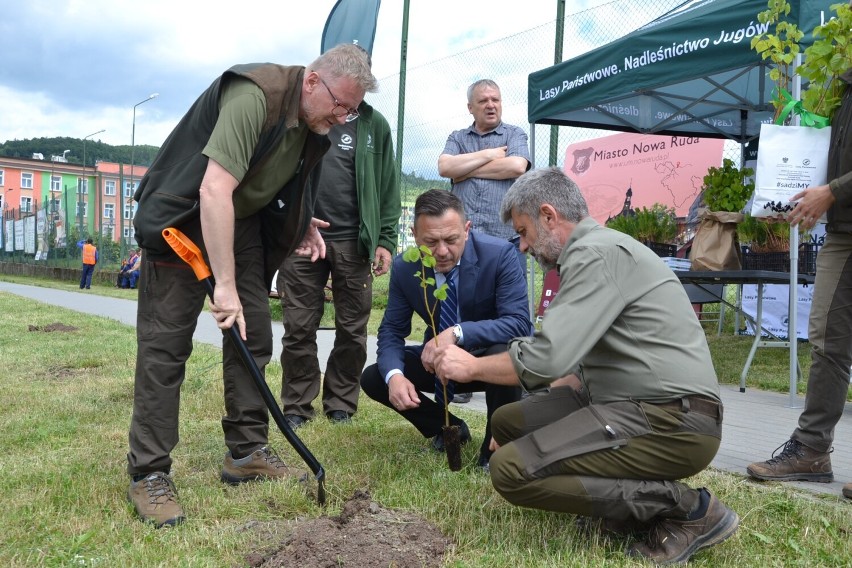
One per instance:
[(234, 177)]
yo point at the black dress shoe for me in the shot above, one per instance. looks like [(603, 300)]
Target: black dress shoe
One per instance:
[(438, 441), (482, 463), (339, 416), (462, 397), (295, 421)]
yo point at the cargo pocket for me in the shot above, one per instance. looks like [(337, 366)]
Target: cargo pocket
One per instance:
[(591, 429)]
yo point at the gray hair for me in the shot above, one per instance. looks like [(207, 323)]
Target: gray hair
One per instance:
[(350, 61), (480, 83), (544, 185)]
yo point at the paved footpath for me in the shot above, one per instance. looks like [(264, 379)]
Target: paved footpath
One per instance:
[(756, 422)]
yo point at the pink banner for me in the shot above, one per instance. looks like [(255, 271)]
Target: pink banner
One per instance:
[(655, 169)]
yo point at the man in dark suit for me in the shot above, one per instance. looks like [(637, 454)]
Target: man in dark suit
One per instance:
[(492, 309)]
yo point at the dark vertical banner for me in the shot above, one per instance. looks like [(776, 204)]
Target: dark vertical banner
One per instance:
[(351, 21)]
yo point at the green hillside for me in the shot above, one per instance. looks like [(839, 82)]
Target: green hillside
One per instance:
[(143, 154)]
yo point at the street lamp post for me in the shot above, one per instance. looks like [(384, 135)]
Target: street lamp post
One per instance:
[(84, 144), (95, 212), (132, 149)]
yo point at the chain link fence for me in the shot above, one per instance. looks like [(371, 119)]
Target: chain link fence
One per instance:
[(53, 231), (435, 98), (434, 86)]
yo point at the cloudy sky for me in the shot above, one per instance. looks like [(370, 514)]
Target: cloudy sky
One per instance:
[(73, 67)]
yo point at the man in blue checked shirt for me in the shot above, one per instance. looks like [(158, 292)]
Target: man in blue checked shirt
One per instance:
[(483, 161)]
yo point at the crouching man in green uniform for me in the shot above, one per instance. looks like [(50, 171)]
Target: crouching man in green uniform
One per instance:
[(645, 411)]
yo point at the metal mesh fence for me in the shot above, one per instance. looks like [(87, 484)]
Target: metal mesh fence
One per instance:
[(50, 233), (431, 87), (435, 98)]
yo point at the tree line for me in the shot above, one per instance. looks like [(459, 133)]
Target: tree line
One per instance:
[(95, 150), (143, 155)]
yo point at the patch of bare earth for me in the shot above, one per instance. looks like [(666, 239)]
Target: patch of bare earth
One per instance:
[(59, 372), (365, 535), (56, 326)]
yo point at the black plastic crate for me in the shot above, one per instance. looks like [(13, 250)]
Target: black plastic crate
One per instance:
[(807, 258), (780, 261), (772, 261), (662, 250)]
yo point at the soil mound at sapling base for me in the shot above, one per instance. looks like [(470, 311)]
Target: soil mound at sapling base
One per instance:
[(365, 535), (452, 445)]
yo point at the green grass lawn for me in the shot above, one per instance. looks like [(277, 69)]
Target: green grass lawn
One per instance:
[(66, 403), (769, 370)]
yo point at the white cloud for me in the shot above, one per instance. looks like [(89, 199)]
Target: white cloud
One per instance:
[(85, 63)]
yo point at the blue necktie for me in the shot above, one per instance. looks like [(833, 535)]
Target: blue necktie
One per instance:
[(448, 318)]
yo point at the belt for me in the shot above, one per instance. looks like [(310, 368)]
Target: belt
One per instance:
[(699, 404)]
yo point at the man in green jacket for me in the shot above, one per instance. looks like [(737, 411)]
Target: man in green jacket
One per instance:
[(359, 198), (234, 176)]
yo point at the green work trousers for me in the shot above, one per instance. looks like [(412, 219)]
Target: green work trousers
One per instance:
[(830, 335), (170, 301), (620, 460), (301, 284)]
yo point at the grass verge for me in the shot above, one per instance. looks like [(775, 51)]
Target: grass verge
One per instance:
[(66, 400)]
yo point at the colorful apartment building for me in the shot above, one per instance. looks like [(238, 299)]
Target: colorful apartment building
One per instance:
[(93, 200)]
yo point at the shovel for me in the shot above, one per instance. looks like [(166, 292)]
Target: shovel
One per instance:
[(190, 254)]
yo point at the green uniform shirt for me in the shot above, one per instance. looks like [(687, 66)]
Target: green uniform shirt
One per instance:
[(242, 111), (623, 318)]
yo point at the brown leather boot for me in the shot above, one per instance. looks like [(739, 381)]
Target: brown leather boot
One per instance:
[(612, 527), (674, 541), (155, 500), (260, 464), (796, 462)]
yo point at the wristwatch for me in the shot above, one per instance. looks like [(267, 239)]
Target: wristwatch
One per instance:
[(457, 334)]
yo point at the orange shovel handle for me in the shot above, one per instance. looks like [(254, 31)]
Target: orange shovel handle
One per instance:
[(187, 251)]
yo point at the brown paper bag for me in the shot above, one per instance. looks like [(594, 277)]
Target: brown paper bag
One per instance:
[(716, 246)]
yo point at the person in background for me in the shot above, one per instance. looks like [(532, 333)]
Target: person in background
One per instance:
[(492, 308), (359, 198), (119, 278), (482, 161), (806, 456), (130, 274), (646, 411), (90, 259), (235, 177)]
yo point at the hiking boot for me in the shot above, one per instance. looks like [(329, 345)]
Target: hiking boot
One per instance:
[(339, 416), (260, 464), (674, 541), (155, 500), (847, 490), (613, 527), (295, 421), (796, 462)]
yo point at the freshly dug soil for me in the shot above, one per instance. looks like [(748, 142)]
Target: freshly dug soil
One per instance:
[(365, 535)]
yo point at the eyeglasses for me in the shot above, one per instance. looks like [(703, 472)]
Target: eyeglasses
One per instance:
[(339, 109)]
